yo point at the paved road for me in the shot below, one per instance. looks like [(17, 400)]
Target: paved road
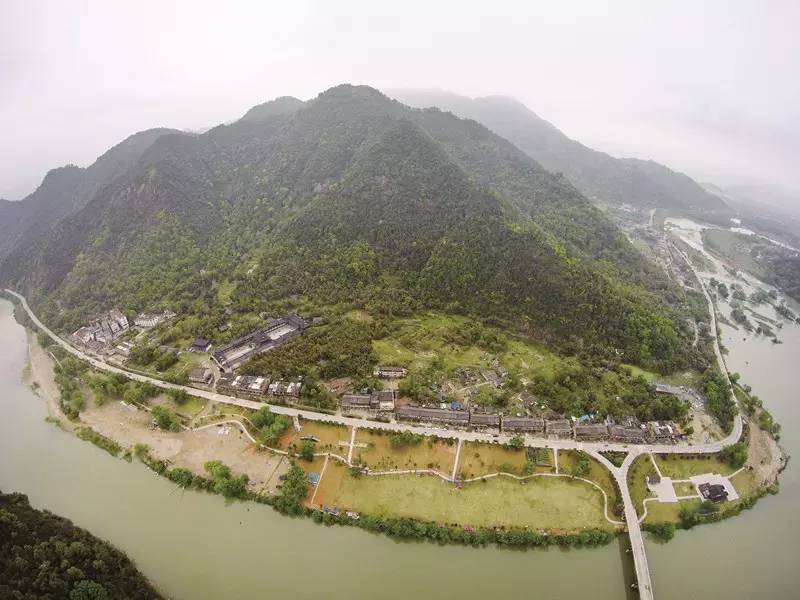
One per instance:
[(620, 474), (534, 442)]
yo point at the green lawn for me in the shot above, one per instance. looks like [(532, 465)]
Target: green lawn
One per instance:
[(192, 406), (637, 481), (684, 489), (686, 378), (543, 502), (659, 512), (679, 466)]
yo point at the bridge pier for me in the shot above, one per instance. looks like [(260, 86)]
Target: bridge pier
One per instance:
[(643, 581)]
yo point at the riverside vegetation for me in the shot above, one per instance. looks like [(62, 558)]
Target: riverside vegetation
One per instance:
[(46, 556)]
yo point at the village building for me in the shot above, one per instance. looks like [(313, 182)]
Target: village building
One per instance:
[(627, 435), (123, 349), (200, 345), (627, 431), (377, 401), (248, 386), (524, 424), (384, 372), (484, 419), (147, 320), (668, 390), (279, 388), (272, 335), (101, 332), (664, 431), (713, 492), (560, 428), (493, 378), (358, 403), (591, 431), (385, 400), (432, 415), (201, 375)]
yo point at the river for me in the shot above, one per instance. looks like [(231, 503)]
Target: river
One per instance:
[(195, 546)]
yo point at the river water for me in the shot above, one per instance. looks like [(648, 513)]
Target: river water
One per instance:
[(194, 546)]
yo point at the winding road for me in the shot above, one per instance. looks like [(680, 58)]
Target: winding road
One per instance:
[(592, 448)]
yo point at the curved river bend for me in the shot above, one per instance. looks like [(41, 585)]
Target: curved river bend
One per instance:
[(194, 547)]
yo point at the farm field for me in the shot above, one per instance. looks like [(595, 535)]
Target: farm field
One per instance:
[(481, 459), (380, 455)]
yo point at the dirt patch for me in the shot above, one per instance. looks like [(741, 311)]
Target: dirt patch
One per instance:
[(41, 378), (764, 456), (706, 428)]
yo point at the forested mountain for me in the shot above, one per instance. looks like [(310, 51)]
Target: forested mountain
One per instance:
[(66, 190), (354, 198), (46, 556), (597, 175)]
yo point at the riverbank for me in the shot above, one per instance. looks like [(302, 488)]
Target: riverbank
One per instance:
[(579, 521)]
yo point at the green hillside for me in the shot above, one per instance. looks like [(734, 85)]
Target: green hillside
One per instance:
[(354, 199)]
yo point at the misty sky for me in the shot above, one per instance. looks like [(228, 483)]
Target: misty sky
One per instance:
[(710, 88)]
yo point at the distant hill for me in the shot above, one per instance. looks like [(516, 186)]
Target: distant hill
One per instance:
[(66, 190), (353, 198), (597, 175)]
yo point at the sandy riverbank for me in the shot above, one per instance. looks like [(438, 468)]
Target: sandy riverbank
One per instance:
[(129, 426)]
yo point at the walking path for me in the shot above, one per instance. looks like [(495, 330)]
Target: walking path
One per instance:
[(352, 445), (458, 456)]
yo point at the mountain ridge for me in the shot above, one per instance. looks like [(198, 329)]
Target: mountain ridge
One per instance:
[(596, 174), (354, 198)]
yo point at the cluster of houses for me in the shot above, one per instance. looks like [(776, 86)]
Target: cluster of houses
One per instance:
[(102, 331), (107, 328), (257, 387), (273, 334), (148, 320), (628, 431), (374, 403)]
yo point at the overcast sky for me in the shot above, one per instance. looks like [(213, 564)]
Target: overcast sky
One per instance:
[(710, 88)]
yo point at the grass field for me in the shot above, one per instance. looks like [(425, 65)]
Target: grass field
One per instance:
[(420, 339), (684, 489), (379, 454), (481, 459), (331, 481), (678, 466), (637, 481), (567, 460), (543, 502), (685, 378), (745, 483), (329, 436), (658, 512)]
